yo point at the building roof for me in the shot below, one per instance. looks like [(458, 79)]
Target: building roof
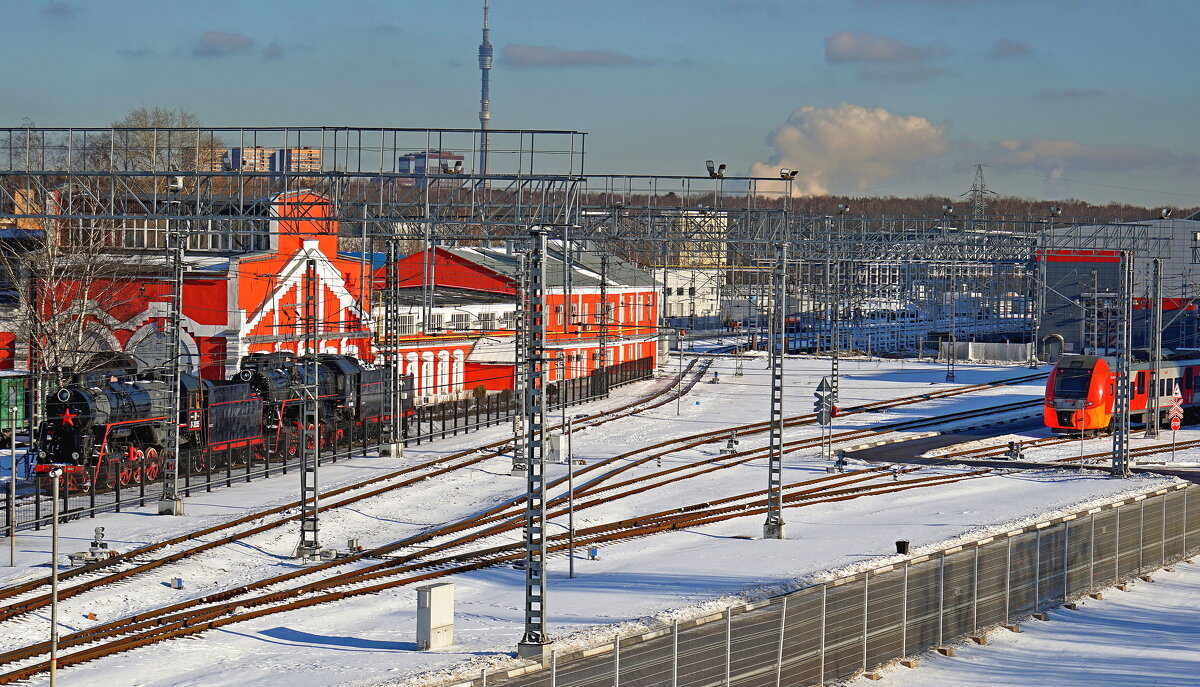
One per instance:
[(585, 266)]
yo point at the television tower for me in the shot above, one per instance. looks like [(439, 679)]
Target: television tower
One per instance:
[(485, 110)]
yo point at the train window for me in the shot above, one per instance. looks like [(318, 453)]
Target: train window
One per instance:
[(1141, 382), (1188, 374), (1071, 383)]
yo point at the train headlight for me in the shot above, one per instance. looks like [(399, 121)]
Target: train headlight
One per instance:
[(75, 455)]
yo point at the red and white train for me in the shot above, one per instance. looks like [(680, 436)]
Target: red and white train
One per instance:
[(1082, 389)]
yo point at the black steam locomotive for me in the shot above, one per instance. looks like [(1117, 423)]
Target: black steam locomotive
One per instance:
[(118, 423)]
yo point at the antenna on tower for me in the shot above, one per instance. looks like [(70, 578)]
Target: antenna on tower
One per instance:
[(978, 193), (485, 109)]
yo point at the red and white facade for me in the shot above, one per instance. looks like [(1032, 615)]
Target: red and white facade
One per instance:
[(242, 304), (469, 338)]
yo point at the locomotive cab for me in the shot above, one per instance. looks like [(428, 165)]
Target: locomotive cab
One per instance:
[(1079, 394)]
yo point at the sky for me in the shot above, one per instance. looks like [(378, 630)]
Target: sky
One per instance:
[(1090, 99)]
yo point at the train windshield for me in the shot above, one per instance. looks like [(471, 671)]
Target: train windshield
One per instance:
[(1072, 383)]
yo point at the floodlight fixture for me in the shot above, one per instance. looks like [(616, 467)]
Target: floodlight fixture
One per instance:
[(1055, 211), (788, 174), (843, 208), (1164, 213), (715, 171), (947, 209)]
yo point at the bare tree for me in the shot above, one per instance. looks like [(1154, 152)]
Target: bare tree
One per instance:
[(157, 142)]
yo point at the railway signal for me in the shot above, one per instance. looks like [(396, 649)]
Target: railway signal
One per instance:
[(823, 406)]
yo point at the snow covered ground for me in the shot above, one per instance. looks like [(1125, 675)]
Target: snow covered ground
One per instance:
[(370, 641), (1145, 637)]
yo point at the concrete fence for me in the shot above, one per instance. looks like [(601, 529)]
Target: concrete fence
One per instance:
[(859, 622)]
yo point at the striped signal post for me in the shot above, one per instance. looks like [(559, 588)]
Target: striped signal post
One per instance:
[(774, 526), (1176, 414)]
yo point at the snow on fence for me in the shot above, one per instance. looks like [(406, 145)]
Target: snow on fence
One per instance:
[(859, 622)]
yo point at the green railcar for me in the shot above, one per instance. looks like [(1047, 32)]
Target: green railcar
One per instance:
[(14, 401)]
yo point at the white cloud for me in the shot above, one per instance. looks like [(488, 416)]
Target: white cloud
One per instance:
[(852, 46), (849, 147)]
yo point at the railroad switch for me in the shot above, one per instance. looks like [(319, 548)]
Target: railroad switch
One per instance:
[(731, 444), (98, 552)]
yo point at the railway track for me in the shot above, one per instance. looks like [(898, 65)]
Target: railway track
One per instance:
[(154, 621), (137, 631), (233, 531)]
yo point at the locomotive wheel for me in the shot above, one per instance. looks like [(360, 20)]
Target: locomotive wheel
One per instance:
[(153, 465), (197, 463), (135, 475)]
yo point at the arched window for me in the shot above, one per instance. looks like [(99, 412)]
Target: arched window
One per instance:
[(410, 367), (458, 371), (427, 374), (443, 372)]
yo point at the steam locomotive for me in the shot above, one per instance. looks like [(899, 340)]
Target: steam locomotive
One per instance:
[(118, 423), (1082, 388)]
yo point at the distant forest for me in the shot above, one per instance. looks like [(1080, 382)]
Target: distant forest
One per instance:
[(998, 207)]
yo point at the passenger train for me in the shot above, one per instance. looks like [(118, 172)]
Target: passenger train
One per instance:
[(1081, 390)]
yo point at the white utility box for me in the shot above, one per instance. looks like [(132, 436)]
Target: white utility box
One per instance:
[(435, 616), (556, 449)]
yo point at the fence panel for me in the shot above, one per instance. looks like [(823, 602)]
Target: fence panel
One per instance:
[(1022, 577), (1152, 532), (958, 595), (803, 633), (1104, 542), (885, 616), (702, 655), (1191, 532), (1051, 552), (844, 628), (923, 606), (992, 603), (1129, 534), (645, 664), (1173, 543), (1079, 557), (755, 646)]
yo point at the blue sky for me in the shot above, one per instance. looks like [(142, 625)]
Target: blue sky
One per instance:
[(1094, 99)]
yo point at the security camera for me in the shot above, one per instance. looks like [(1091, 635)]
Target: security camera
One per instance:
[(1164, 213), (786, 173), (1055, 211), (175, 184)]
